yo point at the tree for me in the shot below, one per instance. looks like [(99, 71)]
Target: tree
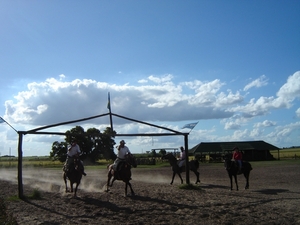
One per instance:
[(108, 143), (93, 144), (59, 150), (162, 152)]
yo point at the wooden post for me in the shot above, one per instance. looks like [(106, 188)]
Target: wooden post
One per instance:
[(20, 158), (187, 166)]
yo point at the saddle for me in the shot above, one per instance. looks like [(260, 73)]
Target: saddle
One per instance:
[(74, 165), (120, 166)]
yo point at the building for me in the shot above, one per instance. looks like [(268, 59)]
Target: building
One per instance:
[(252, 150)]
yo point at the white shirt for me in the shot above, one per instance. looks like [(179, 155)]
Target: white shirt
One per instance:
[(122, 152), (75, 149)]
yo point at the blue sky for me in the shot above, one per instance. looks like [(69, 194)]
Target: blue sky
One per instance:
[(234, 66)]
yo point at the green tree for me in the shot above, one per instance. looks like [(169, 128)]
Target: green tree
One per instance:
[(59, 150), (153, 153), (108, 143), (162, 152), (93, 144)]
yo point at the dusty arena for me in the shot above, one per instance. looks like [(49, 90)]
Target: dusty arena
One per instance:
[(273, 198)]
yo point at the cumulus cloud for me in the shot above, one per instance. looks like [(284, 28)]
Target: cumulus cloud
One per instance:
[(155, 98), (55, 100), (298, 112), (265, 123), (288, 93), (291, 89), (259, 82)]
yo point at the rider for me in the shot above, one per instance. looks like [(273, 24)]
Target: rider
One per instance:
[(73, 152), (122, 152), (181, 161), (237, 156)]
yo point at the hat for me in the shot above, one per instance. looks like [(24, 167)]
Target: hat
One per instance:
[(122, 142)]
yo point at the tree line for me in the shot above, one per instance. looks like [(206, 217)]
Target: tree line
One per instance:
[(93, 144)]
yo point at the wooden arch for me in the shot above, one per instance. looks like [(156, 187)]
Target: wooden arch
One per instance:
[(38, 131)]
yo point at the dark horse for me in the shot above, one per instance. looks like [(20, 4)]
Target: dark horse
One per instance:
[(74, 174), (123, 173), (193, 165), (233, 170)]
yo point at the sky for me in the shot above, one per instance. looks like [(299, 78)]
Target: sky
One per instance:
[(232, 66)]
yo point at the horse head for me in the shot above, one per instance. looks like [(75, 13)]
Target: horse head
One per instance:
[(227, 162), (130, 159), (169, 156)]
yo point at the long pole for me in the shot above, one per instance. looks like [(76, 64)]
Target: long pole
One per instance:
[(110, 114), (20, 156), (186, 147)]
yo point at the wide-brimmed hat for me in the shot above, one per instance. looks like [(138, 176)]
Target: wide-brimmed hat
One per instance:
[(122, 142)]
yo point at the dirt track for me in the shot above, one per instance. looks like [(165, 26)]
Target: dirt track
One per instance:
[(273, 198)]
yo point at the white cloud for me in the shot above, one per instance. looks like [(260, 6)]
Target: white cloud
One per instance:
[(265, 123), (298, 112), (163, 79), (142, 81), (62, 77), (232, 125), (259, 82), (291, 89), (53, 101)]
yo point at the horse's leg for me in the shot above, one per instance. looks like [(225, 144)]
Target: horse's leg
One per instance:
[(180, 177), (126, 184), (108, 179), (75, 191), (173, 178), (71, 184), (112, 182), (132, 192), (230, 177), (246, 175), (197, 175), (66, 183), (236, 183)]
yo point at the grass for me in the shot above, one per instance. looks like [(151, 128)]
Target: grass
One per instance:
[(288, 153), (286, 156)]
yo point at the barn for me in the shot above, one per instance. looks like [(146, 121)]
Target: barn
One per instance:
[(252, 150)]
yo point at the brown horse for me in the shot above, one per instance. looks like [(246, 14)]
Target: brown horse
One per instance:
[(123, 173), (193, 165), (74, 174)]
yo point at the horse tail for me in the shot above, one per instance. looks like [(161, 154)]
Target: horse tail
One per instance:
[(248, 165)]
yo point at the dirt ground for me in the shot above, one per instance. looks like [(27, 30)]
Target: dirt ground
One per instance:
[(273, 198)]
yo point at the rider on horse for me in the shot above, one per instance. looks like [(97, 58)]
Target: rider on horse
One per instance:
[(122, 152), (181, 161), (237, 157), (73, 153)]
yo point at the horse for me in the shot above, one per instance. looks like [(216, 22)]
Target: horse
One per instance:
[(74, 174), (193, 165), (123, 173), (233, 170)]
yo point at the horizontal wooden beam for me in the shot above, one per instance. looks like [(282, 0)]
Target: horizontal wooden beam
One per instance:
[(115, 135)]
